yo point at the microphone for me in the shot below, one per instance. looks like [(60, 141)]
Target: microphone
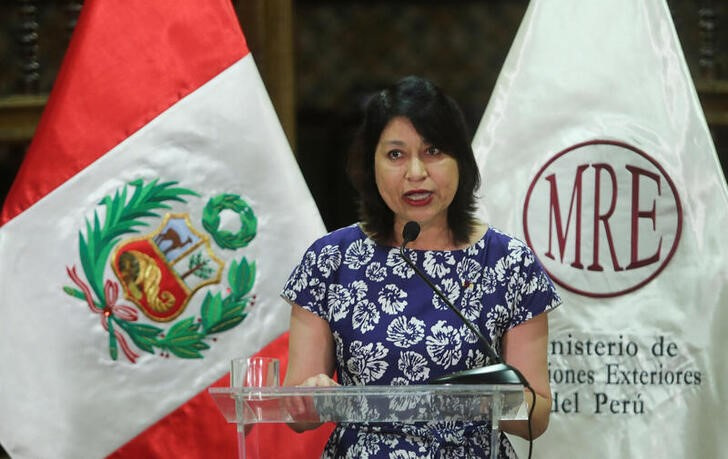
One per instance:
[(496, 373)]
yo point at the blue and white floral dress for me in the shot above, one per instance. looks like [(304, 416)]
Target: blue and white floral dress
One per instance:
[(389, 328)]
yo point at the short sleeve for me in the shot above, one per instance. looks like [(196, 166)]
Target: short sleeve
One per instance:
[(530, 291), (308, 283)]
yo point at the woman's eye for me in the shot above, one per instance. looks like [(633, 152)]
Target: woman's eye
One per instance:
[(433, 151), (394, 154)]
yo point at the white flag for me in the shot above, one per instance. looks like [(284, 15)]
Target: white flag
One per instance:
[(594, 149), (148, 234)]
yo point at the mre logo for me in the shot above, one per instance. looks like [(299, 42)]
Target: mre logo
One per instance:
[(604, 218)]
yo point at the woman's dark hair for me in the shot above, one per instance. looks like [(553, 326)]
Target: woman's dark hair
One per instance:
[(439, 120)]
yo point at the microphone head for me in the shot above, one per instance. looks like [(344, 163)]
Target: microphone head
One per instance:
[(410, 231)]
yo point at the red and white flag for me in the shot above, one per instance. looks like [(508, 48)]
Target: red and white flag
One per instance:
[(146, 238), (594, 149)]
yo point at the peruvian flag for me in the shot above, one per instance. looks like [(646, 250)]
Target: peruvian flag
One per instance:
[(145, 240), (594, 149)]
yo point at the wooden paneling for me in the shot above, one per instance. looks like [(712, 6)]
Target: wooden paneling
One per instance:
[(19, 116)]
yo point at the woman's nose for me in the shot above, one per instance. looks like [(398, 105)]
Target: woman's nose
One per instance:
[(416, 169)]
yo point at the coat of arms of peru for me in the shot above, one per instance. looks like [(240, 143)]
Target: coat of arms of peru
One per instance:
[(160, 271)]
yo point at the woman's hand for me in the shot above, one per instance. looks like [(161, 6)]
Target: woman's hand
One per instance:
[(303, 409), (320, 380)]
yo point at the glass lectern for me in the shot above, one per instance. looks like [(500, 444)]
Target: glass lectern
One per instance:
[(471, 402)]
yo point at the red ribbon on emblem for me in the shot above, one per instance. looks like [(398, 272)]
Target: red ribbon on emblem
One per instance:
[(111, 291)]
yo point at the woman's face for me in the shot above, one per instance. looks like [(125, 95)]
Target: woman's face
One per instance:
[(416, 180)]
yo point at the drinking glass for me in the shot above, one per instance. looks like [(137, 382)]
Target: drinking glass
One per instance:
[(255, 372), (252, 372)]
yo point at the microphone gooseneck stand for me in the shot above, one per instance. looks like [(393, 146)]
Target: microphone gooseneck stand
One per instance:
[(498, 372)]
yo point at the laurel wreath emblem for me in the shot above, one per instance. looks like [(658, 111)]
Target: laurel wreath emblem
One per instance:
[(187, 337), (228, 239)]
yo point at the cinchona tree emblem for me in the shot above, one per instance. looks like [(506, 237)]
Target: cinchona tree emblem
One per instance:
[(161, 271)]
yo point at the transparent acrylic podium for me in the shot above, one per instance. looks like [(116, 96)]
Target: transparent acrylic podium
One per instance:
[(416, 403)]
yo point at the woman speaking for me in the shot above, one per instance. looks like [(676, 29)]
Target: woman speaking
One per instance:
[(358, 310)]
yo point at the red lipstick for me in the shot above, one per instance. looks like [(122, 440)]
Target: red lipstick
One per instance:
[(418, 197)]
